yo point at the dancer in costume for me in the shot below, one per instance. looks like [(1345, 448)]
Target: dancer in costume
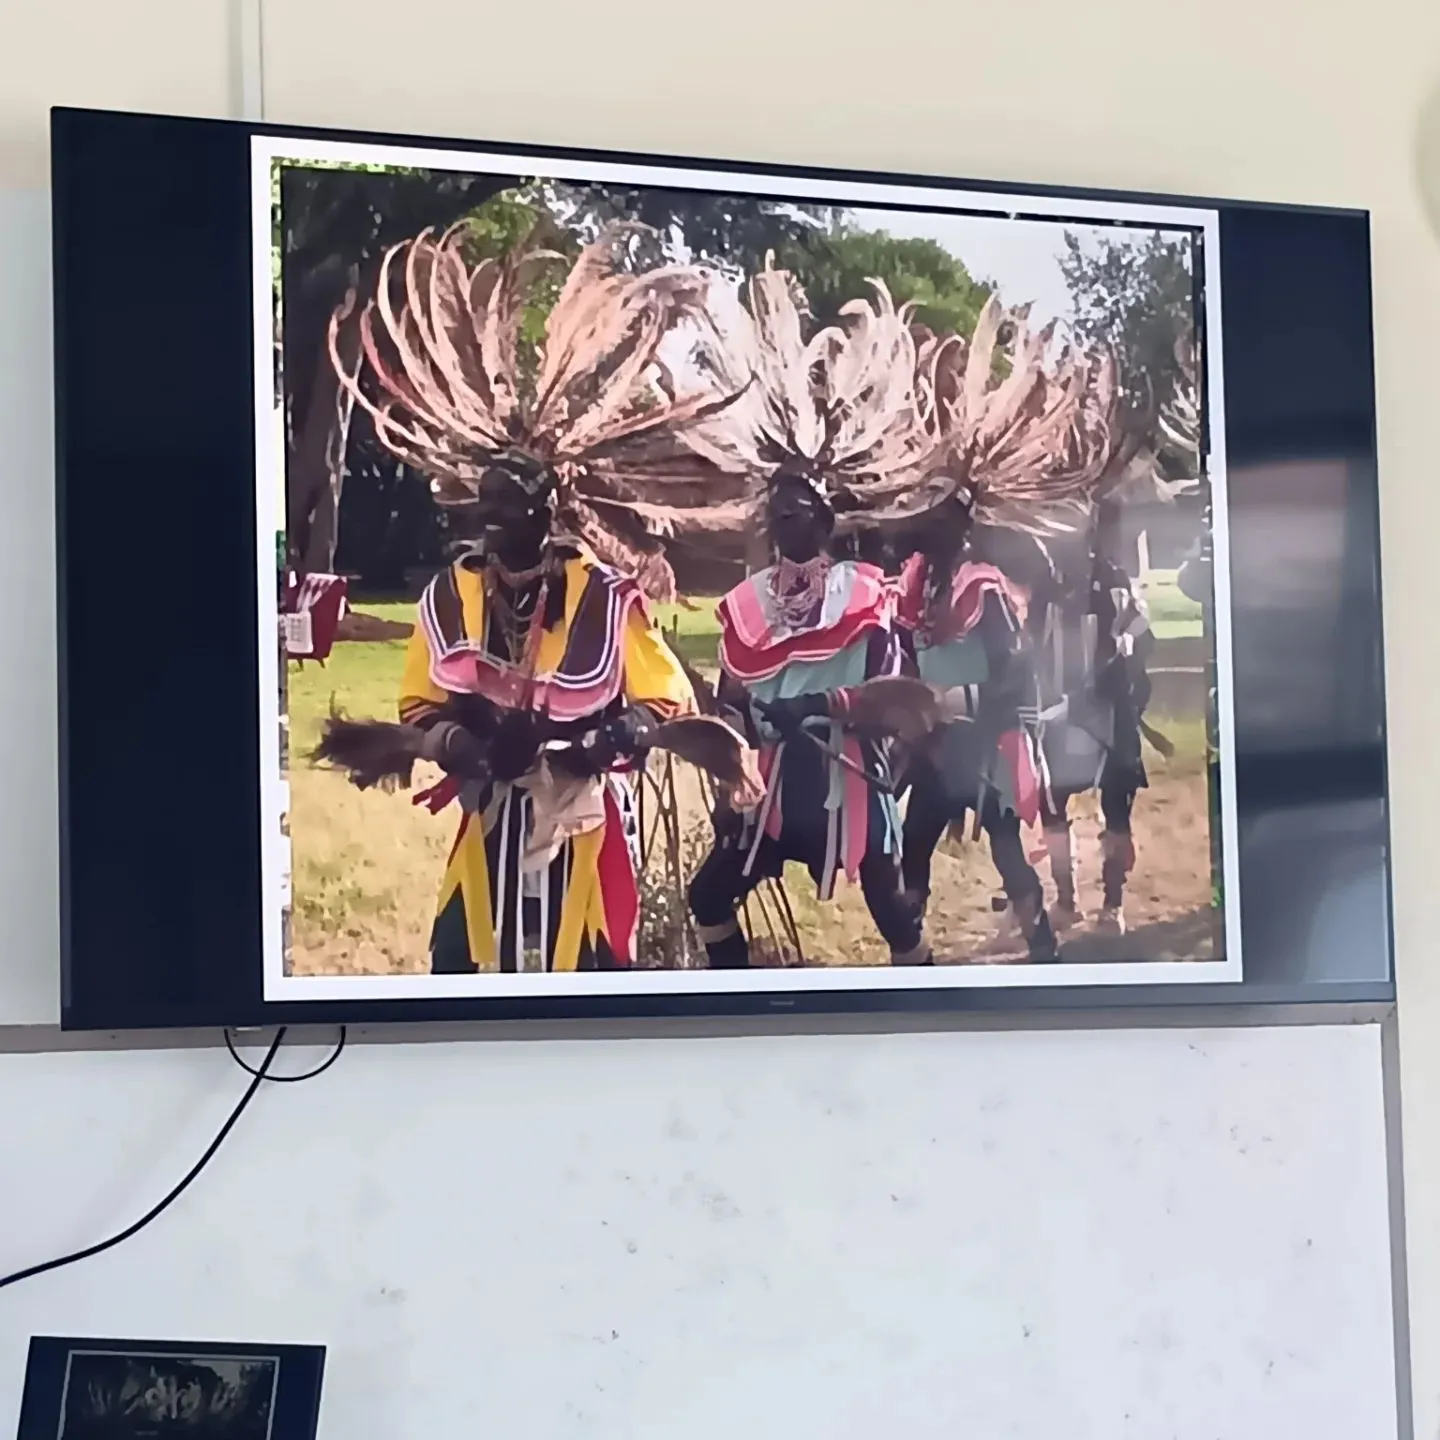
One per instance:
[(1093, 668), (534, 675), (820, 423), (965, 621), (1021, 453), (1095, 687)]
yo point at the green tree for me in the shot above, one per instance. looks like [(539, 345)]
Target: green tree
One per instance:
[(835, 264), (1138, 297), (831, 256), (332, 224), (507, 220), (734, 232)]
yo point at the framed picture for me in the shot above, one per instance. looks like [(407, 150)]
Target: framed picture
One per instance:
[(638, 585), (1094, 830), (138, 1389)]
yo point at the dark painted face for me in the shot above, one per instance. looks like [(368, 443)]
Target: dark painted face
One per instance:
[(941, 533), (512, 513), (799, 519)]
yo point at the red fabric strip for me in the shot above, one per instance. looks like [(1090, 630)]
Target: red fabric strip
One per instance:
[(619, 894)]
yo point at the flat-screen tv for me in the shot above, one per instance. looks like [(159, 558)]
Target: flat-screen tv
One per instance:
[(501, 581)]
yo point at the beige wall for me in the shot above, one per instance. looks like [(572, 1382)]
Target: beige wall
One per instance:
[(1301, 100), (161, 55)]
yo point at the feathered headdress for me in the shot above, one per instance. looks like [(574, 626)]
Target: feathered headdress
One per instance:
[(1177, 461), (1021, 424), (592, 414), (838, 408)]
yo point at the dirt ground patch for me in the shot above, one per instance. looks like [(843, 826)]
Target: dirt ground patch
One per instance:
[(366, 868), (366, 865), (1168, 908)]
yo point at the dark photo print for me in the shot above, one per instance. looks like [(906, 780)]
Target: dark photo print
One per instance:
[(111, 1396)]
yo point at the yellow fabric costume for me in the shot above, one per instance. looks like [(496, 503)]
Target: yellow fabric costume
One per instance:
[(604, 649)]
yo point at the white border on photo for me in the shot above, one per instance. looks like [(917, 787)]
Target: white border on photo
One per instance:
[(270, 460)]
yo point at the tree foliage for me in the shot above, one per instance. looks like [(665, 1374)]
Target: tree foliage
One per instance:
[(330, 227), (497, 227), (333, 223), (835, 264), (1138, 297), (732, 232)]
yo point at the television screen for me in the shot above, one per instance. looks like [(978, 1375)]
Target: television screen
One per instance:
[(581, 584)]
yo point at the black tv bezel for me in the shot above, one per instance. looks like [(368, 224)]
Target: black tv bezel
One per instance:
[(85, 1007)]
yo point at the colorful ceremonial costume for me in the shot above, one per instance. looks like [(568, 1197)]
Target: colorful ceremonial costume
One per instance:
[(534, 672), (970, 653), (1023, 451), (1093, 692), (1091, 662), (501, 908), (819, 422), (786, 634)]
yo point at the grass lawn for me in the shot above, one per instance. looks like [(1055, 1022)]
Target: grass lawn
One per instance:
[(362, 679), (692, 629), (1173, 615), (365, 865), (695, 630)]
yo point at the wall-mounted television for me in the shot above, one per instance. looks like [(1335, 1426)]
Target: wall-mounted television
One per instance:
[(501, 581)]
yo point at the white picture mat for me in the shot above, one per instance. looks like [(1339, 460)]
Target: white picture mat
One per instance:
[(270, 463)]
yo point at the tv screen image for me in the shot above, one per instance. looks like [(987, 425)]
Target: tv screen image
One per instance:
[(1075, 813), (627, 586)]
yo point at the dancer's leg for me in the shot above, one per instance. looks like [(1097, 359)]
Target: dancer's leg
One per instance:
[(718, 887), (1022, 885), (1117, 847)]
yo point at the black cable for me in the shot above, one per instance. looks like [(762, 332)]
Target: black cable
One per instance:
[(260, 1074), (320, 1069)]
